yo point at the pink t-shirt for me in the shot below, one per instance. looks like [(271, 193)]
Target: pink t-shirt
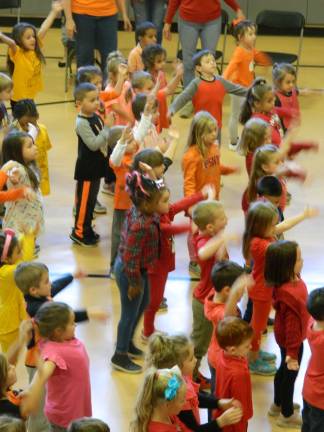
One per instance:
[(68, 389)]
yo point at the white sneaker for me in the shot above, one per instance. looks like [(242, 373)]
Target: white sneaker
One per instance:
[(292, 422), (275, 410)]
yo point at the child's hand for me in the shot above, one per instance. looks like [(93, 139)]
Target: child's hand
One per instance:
[(97, 313), (225, 404), (229, 417), (14, 175), (162, 145), (242, 284), (123, 71), (310, 212), (57, 6), (179, 69), (126, 134), (25, 331), (110, 119), (209, 192), (148, 170), (133, 291), (150, 103), (29, 194), (292, 364), (7, 167), (79, 274), (167, 31)]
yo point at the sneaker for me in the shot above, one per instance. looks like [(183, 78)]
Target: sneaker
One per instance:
[(203, 381), (91, 242), (187, 111), (292, 422), (275, 410), (232, 146), (112, 275), (108, 188), (267, 356), (135, 352), (194, 268), (260, 367), (100, 209), (163, 305), (123, 363)]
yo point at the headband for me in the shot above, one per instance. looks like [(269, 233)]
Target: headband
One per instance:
[(9, 236), (174, 382)]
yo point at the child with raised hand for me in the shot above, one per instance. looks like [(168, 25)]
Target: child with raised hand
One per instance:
[(240, 69), (229, 282), (201, 164), (165, 351), (145, 34), (25, 113), (94, 138), (20, 148), (159, 400), (209, 246), (207, 92), (283, 266), (12, 304), (65, 370), (233, 377), (25, 56), (138, 251), (261, 228), (313, 411), (86, 424), (122, 105), (33, 281)]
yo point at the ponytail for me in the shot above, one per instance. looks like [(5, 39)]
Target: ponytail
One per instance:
[(255, 93), (142, 189)]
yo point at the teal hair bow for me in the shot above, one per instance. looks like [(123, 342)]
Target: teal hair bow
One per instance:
[(172, 389)]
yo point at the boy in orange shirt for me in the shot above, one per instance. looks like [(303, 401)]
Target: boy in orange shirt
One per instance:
[(145, 35), (240, 70), (233, 376)]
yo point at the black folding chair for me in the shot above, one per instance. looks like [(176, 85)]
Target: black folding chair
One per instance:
[(274, 22), (12, 4), (219, 55)]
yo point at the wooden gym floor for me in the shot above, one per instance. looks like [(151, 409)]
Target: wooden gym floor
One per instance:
[(114, 393)]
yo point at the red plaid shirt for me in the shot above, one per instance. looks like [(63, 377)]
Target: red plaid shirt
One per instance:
[(140, 244)]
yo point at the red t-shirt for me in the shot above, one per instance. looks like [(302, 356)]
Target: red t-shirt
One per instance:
[(154, 426), (205, 284), (214, 312), (210, 97), (260, 291), (291, 103), (275, 124), (313, 390), (234, 381)]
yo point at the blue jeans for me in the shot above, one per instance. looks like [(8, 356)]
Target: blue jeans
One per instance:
[(150, 10), (189, 33), (131, 310), (95, 33), (313, 418)]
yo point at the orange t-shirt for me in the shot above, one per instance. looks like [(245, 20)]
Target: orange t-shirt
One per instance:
[(122, 200), (240, 69), (94, 7), (121, 101), (199, 171), (135, 62)]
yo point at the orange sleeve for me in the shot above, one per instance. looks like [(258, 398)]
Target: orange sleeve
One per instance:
[(226, 170), (231, 72), (9, 195), (189, 166), (262, 59)]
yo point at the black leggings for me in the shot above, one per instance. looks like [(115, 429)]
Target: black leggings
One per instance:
[(284, 383)]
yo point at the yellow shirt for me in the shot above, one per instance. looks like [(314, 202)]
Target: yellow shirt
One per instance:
[(27, 76), (43, 144), (12, 302)]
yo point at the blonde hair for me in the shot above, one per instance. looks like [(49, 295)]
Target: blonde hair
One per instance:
[(204, 212), (202, 124), (165, 351), (114, 59), (4, 366), (153, 393), (5, 82), (261, 157), (253, 136)]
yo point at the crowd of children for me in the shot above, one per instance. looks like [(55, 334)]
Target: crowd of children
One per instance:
[(120, 128)]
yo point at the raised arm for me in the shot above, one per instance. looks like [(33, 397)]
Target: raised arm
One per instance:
[(287, 224), (57, 6), (8, 41)]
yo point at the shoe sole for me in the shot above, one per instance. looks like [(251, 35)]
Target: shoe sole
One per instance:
[(121, 369), (80, 243), (289, 425), (136, 356)]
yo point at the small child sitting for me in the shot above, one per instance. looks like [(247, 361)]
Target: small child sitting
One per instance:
[(145, 35), (234, 336)]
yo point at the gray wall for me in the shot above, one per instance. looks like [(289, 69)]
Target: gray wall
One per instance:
[(313, 10)]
